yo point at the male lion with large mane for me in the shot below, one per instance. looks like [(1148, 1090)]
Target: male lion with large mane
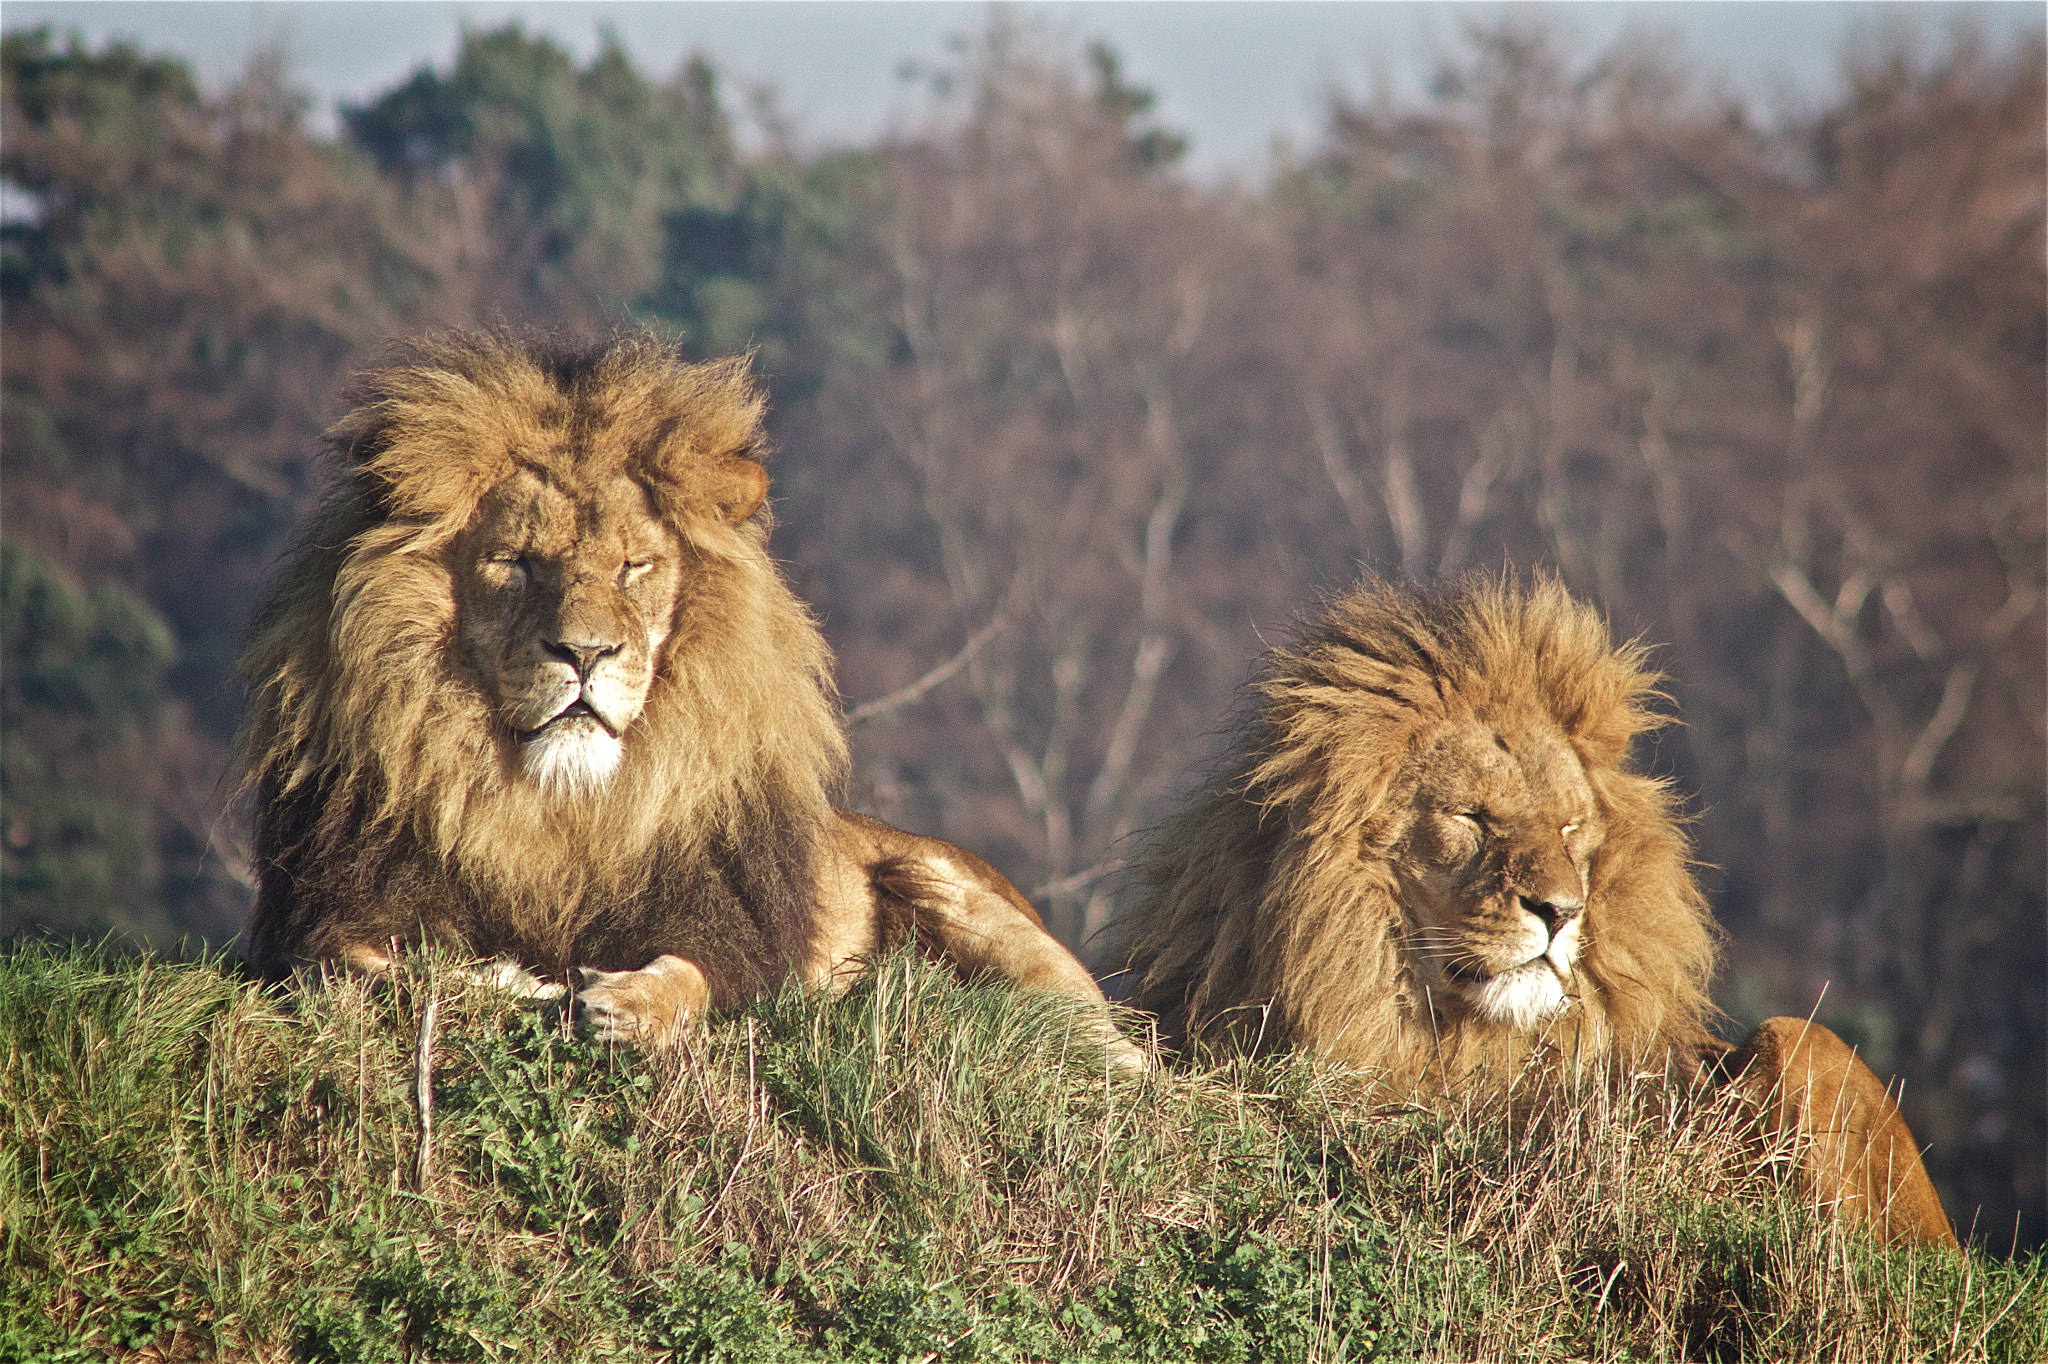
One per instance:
[(531, 686), (1423, 855)]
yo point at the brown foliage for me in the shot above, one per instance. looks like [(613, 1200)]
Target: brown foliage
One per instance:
[(177, 318)]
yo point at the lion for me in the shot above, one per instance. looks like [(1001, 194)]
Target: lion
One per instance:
[(530, 686), (1424, 855)]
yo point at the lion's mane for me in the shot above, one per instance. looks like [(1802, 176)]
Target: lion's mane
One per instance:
[(1266, 910), (367, 749)]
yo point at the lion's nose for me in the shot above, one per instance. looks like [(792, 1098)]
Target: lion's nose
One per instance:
[(1556, 911), (582, 655)]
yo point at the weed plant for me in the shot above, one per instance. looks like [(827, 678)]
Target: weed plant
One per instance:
[(192, 1167)]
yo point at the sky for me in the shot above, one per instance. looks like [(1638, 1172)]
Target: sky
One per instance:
[(1234, 74)]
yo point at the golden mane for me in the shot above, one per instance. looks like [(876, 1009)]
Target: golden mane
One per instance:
[(1267, 910), (360, 721)]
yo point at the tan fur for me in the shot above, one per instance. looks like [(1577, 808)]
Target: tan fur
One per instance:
[(533, 686), (1424, 855), (955, 902), (648, 1006)]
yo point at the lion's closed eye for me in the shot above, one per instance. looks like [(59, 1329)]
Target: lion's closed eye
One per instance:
[(505, 569), (1472, 833)]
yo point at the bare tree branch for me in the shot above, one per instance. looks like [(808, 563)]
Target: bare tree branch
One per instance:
[(1337, 465), (1827, 622), (1067, 885), (1154, 649), (1924, 639), (1475, 491), (1404, 504), (1947, 719), (937, 677)]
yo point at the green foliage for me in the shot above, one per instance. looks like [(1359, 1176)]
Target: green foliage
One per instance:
[(537, 1104), (182, 300), (403, 1307), (613, 196), (594, 175), (719, 1313), (117, 100), (96, 654), (767, 271)]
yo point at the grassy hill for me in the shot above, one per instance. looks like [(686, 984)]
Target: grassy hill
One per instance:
[(193, 1168)]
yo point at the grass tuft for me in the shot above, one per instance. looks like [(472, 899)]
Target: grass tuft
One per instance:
[(194, 1168)]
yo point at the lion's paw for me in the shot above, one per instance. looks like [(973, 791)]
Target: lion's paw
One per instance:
[(1122, 1057), (645, 1008), (512, 978)]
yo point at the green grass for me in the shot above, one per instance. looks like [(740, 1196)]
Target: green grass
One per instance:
[(193, 1168)]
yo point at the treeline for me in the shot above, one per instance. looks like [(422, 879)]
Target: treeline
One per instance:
[(1066, 435)]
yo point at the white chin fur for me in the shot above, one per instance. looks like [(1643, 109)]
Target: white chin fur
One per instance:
[(571, 760), (1521, 998)]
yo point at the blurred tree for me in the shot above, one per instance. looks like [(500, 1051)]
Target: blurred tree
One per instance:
[(582, 194), (193, 278), (81, 697), (1904, 530), (1123, 105), (592, 197), (1010, 583)]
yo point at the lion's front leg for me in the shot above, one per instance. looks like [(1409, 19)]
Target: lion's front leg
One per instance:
[(501, 974), (509, 976), (649, 1007), (1856, 1153)]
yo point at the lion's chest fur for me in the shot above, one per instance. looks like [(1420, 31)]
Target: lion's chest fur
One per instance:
[(737, 901)]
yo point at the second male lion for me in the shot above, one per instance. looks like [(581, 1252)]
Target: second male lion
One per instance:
[(1425, 855), (532, 686)]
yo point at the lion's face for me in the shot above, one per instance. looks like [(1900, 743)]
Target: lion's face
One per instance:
[(563, 602), (1494, 869)]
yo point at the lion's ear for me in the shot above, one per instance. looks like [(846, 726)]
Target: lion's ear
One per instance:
[(741, 488)]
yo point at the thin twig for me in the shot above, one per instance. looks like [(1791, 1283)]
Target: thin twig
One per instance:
[(423, 1096), (1067, 885), (1948, 718), (903, 696)]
